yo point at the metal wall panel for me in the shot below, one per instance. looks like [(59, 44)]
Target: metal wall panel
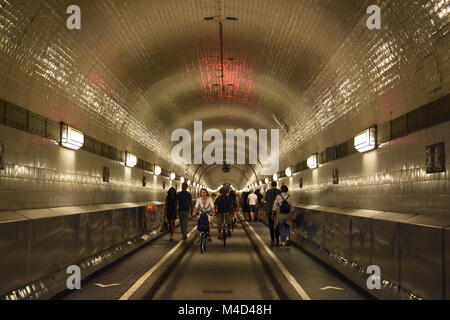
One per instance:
[(311, 225), (2, 111), (110, 221), (95, 232), (45, 252), (16, 117), (75, 238), (386, 244), (421, 243), (330, 231), (15, 232), (447, 262), (342, 235), (361, 237), (36, 124)]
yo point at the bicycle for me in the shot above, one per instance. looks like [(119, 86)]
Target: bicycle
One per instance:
[(203, 241), (226, 232)]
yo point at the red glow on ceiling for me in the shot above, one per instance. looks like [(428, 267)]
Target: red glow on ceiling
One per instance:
[(238, 73)]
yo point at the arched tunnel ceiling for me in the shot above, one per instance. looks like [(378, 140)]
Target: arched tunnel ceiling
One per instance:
[(139, 69)]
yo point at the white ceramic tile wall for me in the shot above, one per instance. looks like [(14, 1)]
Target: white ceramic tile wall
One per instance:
[(39, 173), (392, 178)]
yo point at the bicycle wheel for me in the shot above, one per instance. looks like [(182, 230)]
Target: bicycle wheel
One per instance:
[(224, 237), (202, 243)]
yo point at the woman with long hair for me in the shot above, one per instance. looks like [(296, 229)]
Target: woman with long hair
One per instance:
[(205, 208), (170, 210)]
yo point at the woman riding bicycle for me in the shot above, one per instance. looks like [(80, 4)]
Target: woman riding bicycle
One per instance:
[(224, 211), (205, 208)]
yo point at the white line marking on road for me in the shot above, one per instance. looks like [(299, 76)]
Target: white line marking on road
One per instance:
[(127, 295), (107, 285), (280, 265), (330, 287)]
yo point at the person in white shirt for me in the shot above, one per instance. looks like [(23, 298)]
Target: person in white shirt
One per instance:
[(283, 209), (252, 203), (204, 205)]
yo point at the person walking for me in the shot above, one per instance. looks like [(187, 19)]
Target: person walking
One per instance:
[(185, 209), (269, 199), (170, 209), (244, 206), (283, 208), (252, 204), (234, 201), (259, 207)]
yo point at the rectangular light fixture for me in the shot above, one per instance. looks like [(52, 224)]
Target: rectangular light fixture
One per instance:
[(130, 159), (366, 140), (312, 161), (71, 138)]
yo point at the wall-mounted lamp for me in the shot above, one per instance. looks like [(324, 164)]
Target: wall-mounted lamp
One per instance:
[(366, 140), (182, 180), (130, 159), (275, 177), (189, 182), (312, 161), (172, 176), (157, 170), (288, 172), (266, 180), (71, 138)]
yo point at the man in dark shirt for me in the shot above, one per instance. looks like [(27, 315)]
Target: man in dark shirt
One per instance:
[(269, 199), (185, 209), (224, 211)]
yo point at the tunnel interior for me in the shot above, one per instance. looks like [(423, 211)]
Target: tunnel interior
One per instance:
[(95, 96)]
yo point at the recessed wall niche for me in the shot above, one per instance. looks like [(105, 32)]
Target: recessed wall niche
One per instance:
[(335, 175), (435, 158), (105, 177), (2, 152)]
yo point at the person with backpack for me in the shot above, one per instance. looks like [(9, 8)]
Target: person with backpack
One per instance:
[(224, 211), (269, 199), (283, 208)]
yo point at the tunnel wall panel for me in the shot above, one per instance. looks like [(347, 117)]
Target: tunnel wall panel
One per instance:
[(386, 244), (422, 259), (45, 251), (75, 238), (447, 262), (15, 234), (46, 241), (410, 249), (360, 240), (41, 174), (392, 178)]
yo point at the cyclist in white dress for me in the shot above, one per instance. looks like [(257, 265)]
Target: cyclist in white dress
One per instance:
[(205, 205)]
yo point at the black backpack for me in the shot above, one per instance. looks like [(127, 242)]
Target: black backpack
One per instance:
[(285, 207)]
